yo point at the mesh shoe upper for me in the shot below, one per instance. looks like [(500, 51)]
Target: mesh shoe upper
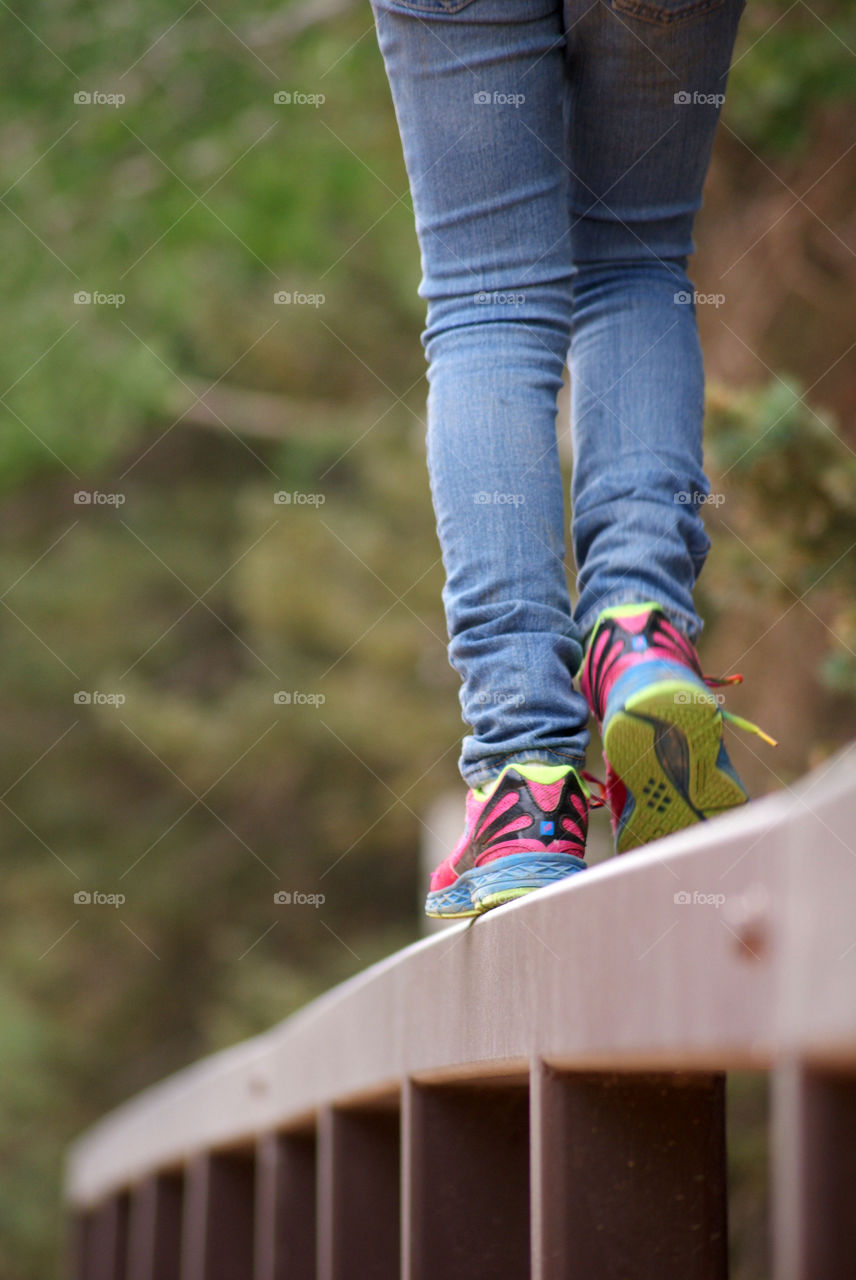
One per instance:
[(519, 815), (626, 639)]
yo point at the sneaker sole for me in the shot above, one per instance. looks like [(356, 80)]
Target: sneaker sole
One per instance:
[(664, 744), (499, 881)]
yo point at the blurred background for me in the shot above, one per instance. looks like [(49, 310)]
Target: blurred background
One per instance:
[(221, 645)]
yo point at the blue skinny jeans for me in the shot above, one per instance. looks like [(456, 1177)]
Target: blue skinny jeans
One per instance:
[(556, 155)]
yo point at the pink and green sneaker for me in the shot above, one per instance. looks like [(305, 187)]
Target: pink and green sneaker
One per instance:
[(666, 762), (526, 830)]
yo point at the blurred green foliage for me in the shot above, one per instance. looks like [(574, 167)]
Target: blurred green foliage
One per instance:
[(196, 199), (790, 476), (792, 62), (199, 597)]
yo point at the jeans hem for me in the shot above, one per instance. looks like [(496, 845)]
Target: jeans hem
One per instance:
[(487, 772)]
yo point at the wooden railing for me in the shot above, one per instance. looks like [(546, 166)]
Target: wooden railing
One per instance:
[(537, 1093)]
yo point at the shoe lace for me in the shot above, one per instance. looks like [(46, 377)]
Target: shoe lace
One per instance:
[(597, 801), (716, 682)]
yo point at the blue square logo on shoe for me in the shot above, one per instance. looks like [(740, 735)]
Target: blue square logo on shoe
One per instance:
[(638, 643), (547, 828)]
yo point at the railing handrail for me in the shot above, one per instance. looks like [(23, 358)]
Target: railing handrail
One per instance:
[(609, 970)]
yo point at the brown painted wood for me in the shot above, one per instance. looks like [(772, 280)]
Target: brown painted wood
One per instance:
[(154, 1235), (76, 1253), (466, 1184), (670, 987), (217, 1233), (358, 1195), (628, 1176), (814, 1174), (285, 1207), (107, 1240)]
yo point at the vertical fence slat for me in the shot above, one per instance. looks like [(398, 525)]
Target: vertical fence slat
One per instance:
[(285, 1207), (814, 1174), (628, 1176), (154, 1234), (107, 1240), (76, 1256), (358, 1195), (466, 1182), (217, 1232)]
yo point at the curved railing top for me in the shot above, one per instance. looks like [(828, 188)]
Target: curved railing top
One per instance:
[(731, 944)]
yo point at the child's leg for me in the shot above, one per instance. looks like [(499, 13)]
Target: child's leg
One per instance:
[(478, 91), (646, 79), (645, 82)]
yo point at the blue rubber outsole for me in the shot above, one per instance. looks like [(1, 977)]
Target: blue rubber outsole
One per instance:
[(501, 880)]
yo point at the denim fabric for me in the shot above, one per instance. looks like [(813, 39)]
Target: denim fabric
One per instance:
[(556, 155)]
